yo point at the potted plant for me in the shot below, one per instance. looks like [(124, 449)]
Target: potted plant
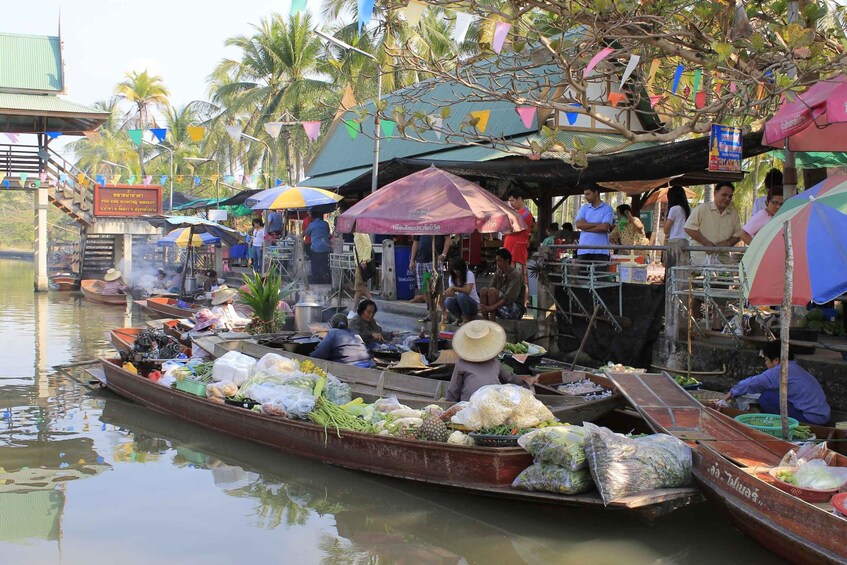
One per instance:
[(263, 295)]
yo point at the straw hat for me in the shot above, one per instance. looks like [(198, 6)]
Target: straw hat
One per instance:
[(479, 340), (203, 319), (410, 360), (446, 357), (221, 296), (112, 275)]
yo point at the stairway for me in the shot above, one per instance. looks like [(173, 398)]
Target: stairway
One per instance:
[(98, 255)]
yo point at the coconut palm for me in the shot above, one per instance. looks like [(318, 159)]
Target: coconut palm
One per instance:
[(145, 92), (112, 144)]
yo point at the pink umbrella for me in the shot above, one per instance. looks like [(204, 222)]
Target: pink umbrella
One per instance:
[(430, 202), (814, 121)]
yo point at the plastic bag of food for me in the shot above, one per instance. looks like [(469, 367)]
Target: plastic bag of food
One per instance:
[(817, 474), (274, 408), (622, 466), (496, 405), (388, 404), (453, 410), (545, 477), (337, 392), (276, 364), (560, 445), (809, 451)]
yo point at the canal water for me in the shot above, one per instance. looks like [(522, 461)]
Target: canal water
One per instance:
[(89, 478)]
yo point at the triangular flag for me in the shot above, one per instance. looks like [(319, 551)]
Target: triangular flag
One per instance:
[(348, 100), (463, 22), (163, 179), (24, 176), (297, 6), (700, 100), (135, 135), (760, 92), (654, 67), (159, 133), (572, 116), (80, 178), (115, 179), (414, 11), (63, 177), (655, 100), (92, 135), (481, 117), (2, 176), (366, 10), (273, 129), (3, 179), (234, 131), (616, 98), (352, 129), (436, 123), (312, 129), (13, 137), (527, 114), (677, 75), (229, 179), (195, 133), (130, 180), (37, 184), (42, 176), (387, 128), (180, 178), (278, 182), (196, 181), (53, 134), (718, 88), (630, 67), (733, 87), (501, 31), (214, 178), (695, 84), (602, 54), (101, 180)]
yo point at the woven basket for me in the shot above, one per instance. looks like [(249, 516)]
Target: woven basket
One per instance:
[(770, 424)]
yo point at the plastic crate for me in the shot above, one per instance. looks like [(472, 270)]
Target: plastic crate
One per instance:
[(770, 424), (191, 387)]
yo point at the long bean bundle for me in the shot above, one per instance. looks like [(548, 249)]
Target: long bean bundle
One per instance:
[(328, 414)]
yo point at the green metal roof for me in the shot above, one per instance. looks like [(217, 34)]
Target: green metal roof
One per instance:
[(43, 104), (31, 63)]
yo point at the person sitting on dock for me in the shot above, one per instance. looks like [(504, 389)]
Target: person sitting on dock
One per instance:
[(228, 318), (365, 326), (113, 283), (342, 345), (806, 399), (504, 297), (477, 345), (461, 297)]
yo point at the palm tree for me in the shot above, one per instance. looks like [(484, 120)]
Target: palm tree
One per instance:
[(111, 145), (145, 92)]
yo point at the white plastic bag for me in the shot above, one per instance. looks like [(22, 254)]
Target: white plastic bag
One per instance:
[(234, 367), (817, 474), (276, 364), (495, 405)]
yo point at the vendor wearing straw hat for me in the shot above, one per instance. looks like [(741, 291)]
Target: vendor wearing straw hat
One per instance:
[(477, 345), (113, 283), (224, 310)]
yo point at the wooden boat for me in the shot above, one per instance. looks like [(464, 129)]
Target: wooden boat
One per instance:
[(480, 470), (91, 291), (411, 390), (168, 308), (124, 338), (64, 281), (731, 461)]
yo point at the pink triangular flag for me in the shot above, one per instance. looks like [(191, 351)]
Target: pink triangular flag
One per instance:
[(501, 30), (602, 54), (527, 114), (616, 98), (655, 100), (148, 179), (13, 137), (312, 129), (733, 87), (42, 176)]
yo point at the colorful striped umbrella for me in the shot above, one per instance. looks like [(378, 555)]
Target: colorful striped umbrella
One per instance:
[(180, 236), (818, 219), (291, 198)]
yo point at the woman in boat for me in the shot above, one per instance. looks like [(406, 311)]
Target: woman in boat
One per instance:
[(477, 345), (113, 283), (228, 318), (806, 399), (211, 282), (342, 345), (365, 326)]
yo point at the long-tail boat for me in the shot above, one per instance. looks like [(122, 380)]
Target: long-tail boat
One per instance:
[(168, 307), (91, 291)]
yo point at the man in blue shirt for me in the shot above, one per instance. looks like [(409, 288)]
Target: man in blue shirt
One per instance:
[(319, 231), (594, 222), (343, 346), (806, 399), (274, 225)]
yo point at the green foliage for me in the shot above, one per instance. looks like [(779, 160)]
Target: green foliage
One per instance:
[(262, 294)]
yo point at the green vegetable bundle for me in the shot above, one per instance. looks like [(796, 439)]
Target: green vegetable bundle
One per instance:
[(329, 414)]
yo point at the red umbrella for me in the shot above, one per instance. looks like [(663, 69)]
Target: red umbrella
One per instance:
[(430, 202), (814, 121)]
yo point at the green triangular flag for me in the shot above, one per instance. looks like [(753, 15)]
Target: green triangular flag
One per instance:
[(37, 184), (387, 127), (352, 129), (135, 135), (24, 176), (297, 6), (131, 179)]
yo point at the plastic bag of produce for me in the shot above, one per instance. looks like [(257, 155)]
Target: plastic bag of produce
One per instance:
[(818, 475), (234, 367), (388, 404), (296, 401), (545, 477), (560, 445), (495, 405), (622, 466), (274, 408), (809, 451), (276, 364), (337, 392)]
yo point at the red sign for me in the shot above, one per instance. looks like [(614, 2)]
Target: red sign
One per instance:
[(127, 200)]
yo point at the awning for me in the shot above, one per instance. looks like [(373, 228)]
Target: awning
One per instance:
[(35, 113), (239, 197)]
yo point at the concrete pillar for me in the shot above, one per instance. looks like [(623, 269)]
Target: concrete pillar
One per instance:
[(39, 203), (126, 266), (300, 274), (389, 271)]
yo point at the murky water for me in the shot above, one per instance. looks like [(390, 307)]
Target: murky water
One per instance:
[(86, 477)]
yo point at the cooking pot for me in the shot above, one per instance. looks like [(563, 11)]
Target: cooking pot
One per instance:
[(306, 313)]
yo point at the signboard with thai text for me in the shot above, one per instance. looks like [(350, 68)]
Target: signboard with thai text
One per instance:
[(126, 200), (725, 149)]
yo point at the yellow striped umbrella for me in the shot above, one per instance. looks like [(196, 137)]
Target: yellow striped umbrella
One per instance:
[(291, 198), (180, 236)]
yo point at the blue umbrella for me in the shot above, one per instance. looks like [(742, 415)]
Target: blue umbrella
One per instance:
[(181, 236), (291, 198)]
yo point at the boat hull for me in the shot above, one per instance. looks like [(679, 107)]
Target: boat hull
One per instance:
[(167, 307), (89, 291)]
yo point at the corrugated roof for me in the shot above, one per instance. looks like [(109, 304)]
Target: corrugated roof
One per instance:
[(43, 103), (31, 62)]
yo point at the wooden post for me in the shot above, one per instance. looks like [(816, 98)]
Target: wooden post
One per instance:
[(389, 271), (40, 205), (785, 323)]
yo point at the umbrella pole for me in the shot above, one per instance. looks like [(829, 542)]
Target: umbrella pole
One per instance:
[(188, 263), (433, 306), (785, 323)]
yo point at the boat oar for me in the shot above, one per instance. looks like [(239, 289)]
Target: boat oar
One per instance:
[(64, 366), (585, 337)]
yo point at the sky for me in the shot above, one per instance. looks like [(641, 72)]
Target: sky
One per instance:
[(180, 40)]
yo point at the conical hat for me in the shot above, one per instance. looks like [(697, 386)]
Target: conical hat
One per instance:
[(446, 357), (479, 340), (410, 360)]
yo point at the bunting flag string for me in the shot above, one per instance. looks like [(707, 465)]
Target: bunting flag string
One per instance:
[(115, 179), (195, 133), (572, 116), (278, 182), (654, 68), (42, 176), (273, 129), (480, 119), (37, 184), (131, 179), (214, 178), (312, 129), (527, 115), (80, 178), (179, 178), (595, 60), (229, 179), (352, 129), (695, 85), (101, 180), (414, 11), (196, 181), (159, 133), (297, 6), (163, 179), (2, 176), (655, 100), (147, 180), (616, 98), (23, 177), (630, 67), (135, 135), (387, 128), (53, 134), (63, 177), (501, 31), (463, 22)]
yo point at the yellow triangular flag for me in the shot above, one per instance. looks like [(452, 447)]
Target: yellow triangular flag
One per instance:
[(196, 132), (116, 179), (2, 176), (347, 100), (481, 117), (654, 66), (414, 11), (80, 178), (214, 178), (179, 178)]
